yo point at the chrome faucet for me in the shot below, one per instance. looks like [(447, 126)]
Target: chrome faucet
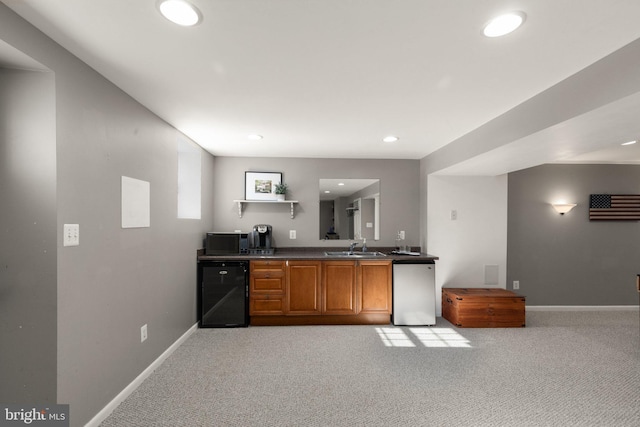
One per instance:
[(352, 246)]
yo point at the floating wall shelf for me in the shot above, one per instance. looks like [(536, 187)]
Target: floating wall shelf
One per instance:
[(242, 202)]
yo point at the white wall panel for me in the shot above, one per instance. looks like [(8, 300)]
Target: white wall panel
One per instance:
[(475, 239)]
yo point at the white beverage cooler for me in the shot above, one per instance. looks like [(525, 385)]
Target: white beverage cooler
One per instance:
[(414, 292)]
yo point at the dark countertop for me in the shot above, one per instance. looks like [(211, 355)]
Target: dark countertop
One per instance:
[(318, 253)]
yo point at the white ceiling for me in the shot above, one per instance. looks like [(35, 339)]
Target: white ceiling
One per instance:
[(331, 78)]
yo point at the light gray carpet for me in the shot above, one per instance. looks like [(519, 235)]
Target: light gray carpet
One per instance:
[(563, 369)]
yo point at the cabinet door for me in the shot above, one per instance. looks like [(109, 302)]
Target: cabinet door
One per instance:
[(374, 283), (339, 287), (303, 287)]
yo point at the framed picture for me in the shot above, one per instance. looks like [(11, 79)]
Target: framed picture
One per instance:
[(261, 185)]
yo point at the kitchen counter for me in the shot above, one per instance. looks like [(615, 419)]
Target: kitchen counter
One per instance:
[(304, 286), (318, 253)]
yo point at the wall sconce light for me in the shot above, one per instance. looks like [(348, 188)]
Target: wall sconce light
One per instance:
[(563, 208)]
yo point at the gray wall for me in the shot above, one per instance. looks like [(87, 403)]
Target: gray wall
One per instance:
[(117, 279), (567, 259), (327, 217), (367, 212), (399, 196), (28, 314)]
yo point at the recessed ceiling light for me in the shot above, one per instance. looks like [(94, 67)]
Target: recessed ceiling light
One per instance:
[(629, 143), (504, 24), (180, 12), (390, 138), (254, 137), (327, 192), (341, 183)]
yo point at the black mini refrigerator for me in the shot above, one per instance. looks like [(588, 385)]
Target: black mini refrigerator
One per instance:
[(223, 294)]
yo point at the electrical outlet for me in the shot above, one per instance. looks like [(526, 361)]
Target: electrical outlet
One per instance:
[(71, 235), (454, 215), (516, 284), (401, 234), (143, 333), (292, 234)]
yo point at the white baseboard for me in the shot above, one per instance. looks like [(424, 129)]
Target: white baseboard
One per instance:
[(582, 308), (111, 406)]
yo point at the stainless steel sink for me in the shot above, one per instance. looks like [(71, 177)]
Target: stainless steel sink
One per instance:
[(355, 254)]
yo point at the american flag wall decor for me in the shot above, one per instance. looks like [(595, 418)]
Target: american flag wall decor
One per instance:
[(614, 207)]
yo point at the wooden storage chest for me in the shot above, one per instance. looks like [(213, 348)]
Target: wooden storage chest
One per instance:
[(483, 308)]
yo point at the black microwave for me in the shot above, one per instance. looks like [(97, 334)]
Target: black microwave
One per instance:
[(226, 244)]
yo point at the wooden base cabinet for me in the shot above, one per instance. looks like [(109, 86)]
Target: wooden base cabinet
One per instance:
[(267, 288), (339, 289), (374, 286), (306, 292)]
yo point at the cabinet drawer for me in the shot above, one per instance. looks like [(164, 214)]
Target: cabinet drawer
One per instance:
[(265, 305), (267, 274), (267, 265), (267, 277), (267, 284)]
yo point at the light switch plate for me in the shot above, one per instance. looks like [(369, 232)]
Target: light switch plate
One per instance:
[(71, 235)]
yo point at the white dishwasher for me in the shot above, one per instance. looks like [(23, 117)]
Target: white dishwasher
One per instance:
[(414, 292)]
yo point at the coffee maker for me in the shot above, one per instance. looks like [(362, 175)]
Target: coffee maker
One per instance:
[(260, 240)]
